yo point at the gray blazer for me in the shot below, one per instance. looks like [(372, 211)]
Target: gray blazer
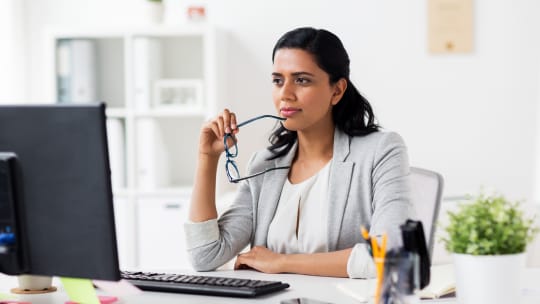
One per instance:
[(369, 185)]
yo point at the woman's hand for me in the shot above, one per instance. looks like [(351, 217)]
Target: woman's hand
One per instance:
[(212, 133), (260, 258)]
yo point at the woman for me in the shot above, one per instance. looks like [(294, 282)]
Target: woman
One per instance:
[(343, 173)]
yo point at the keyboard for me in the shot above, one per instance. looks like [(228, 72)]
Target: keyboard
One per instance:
[(199, 284)]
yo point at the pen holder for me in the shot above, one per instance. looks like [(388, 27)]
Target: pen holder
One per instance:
[(400, 278), (32, 284), (379, 266)]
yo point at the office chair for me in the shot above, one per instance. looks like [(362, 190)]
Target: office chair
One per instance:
[(426, 193)]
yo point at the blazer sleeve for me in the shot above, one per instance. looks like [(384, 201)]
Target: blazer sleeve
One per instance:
[(213, 243), (391, 189), (391, 205)]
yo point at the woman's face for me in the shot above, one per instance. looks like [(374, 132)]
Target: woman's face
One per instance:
[(302, 92)]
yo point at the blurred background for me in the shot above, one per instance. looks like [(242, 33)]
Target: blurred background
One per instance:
[(472, 116)]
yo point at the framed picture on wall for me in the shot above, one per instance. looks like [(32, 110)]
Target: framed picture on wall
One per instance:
[(180, 94)]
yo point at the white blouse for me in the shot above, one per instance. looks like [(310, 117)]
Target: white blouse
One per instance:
[(300, 223)]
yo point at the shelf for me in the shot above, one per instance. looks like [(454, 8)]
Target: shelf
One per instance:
[(159, 192), (171, 112), (116, 113), (159, 86), (156, 113), (123, 192), (171, 30), (121, 31), (165, 192)]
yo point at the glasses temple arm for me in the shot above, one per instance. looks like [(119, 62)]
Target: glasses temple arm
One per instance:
[(259, 117)]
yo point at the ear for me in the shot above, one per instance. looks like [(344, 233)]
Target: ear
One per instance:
[(339, 89)]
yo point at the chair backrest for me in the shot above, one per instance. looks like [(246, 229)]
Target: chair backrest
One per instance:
[(426, 193)]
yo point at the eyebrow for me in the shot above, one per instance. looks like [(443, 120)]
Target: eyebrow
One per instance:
[(294, 74)]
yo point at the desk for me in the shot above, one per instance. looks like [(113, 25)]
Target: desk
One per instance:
[(321, 288)]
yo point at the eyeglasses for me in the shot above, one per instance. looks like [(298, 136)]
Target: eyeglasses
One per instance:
[(230, 153)]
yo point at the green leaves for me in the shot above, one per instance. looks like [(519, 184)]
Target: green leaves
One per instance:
[(490, 225)]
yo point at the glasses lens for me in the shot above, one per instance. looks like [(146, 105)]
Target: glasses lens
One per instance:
[(231, 151), (232, 170)]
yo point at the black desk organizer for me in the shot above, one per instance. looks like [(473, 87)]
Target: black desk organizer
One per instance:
[(406, 268)]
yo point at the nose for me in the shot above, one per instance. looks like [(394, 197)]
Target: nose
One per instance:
[(287, 91)]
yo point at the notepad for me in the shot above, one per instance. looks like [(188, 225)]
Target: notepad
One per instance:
[(442, 283), (359, 289)]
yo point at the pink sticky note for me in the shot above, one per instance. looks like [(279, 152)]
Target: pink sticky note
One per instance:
[(102, 300), (119, 289)]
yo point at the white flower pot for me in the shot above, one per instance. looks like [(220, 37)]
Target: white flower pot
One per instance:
[(154, 12), (175, 12), (34, 282), (489, 279)]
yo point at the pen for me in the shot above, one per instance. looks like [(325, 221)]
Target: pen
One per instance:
[(367, 238), (379, 253)]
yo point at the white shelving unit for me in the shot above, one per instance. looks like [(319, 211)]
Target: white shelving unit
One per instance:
[(153, 143)]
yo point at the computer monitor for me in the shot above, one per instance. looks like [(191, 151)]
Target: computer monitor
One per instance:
[(67, 215)]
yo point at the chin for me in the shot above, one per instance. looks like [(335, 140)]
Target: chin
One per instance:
[(290, 126)]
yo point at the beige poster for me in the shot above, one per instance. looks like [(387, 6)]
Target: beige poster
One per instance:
[(450, 26)]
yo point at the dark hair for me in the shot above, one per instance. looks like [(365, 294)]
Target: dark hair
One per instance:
[(353, 114)]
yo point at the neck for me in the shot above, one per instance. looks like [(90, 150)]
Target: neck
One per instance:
[(316, 144)]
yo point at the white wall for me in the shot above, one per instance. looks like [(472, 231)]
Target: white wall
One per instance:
[(471, 117), (12, 59), (537, 151)]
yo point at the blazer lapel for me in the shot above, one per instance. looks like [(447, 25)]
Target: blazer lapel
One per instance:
[(270, 193), (340, 180)]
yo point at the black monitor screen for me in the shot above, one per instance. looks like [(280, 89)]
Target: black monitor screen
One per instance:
[(68, 211)]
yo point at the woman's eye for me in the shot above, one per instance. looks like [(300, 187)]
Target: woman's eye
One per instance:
[(302, 80), (277, 81)]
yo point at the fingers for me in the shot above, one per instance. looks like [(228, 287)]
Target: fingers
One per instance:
[(239, 265), (226, 123), (223, 123), (229, 122), (244, 261), (258, 258), (234, 124), (215, 128), (241, 262)]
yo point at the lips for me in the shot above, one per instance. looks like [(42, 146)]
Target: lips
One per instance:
[(288, 112)]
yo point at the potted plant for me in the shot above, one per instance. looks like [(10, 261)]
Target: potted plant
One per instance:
[(488, 237)]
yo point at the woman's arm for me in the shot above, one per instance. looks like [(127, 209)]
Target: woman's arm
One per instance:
[(330, 264), (203, 198), (211, 242)]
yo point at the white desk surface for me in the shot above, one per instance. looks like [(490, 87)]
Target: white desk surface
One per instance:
[(320, 288)]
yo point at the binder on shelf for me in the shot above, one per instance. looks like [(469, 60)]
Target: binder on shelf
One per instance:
[(152, 159), (117, 152), (146, 69), (63, 71), (76, 71)]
